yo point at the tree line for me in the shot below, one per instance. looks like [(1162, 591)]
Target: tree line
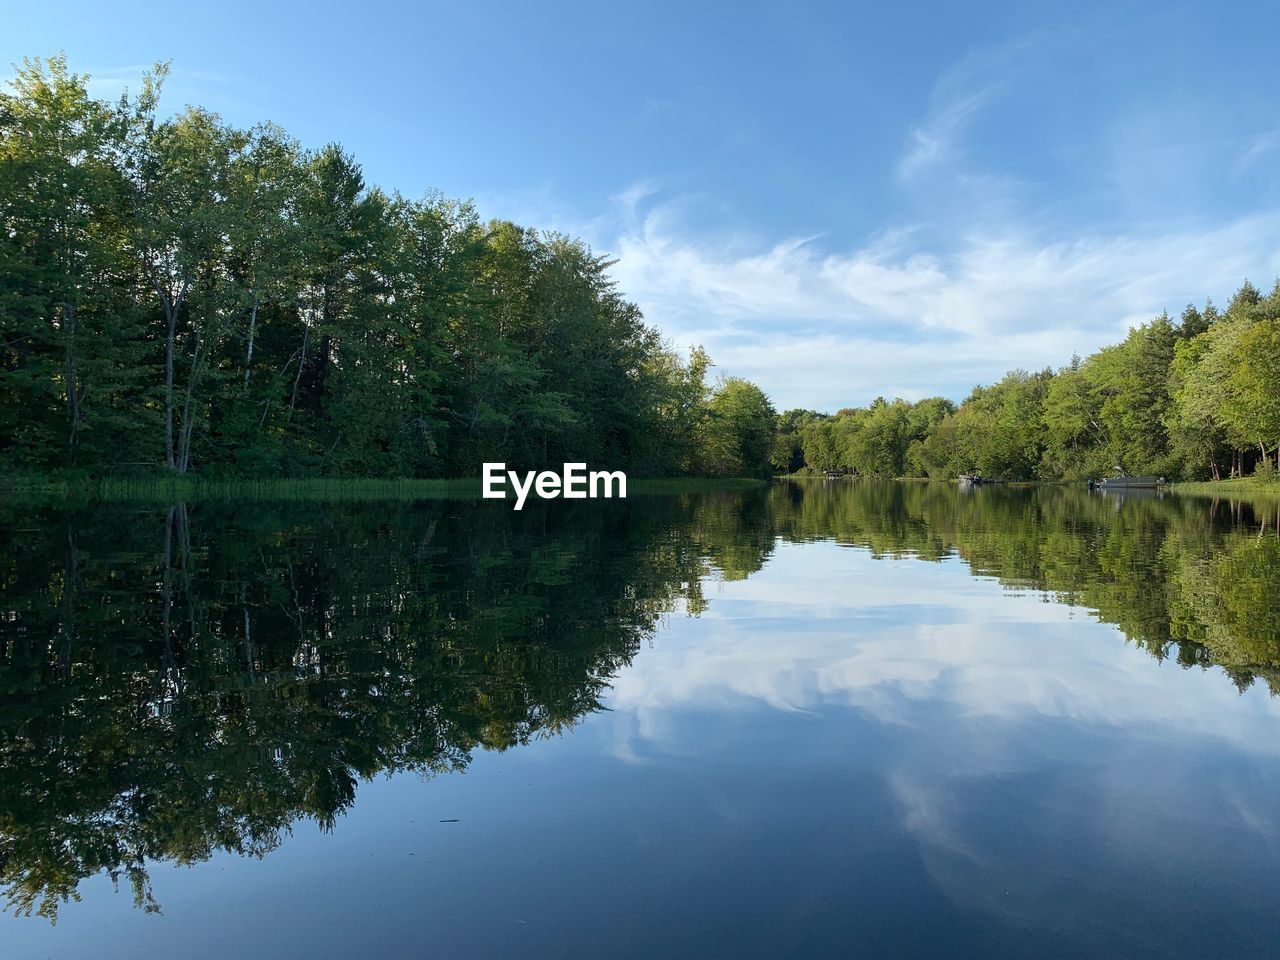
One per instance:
[(1196, 398), (180, 293)]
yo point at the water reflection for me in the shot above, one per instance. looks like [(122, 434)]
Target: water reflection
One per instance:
[(1182, 577), (195, 678)]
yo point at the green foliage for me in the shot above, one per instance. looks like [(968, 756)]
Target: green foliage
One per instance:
[(1252, 390), (788, 444), (739, 430), (71, 340), (181, 293), (1226, 382), (1195, 399)]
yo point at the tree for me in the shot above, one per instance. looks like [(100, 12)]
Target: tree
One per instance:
[(788, 446), (678, 396), (181, 172), (69, 355), (818, 443), (1131, 381), (1251, 402), (1073, 431), (1194, 419), (875, 446), (739, 430), (1224, 383)]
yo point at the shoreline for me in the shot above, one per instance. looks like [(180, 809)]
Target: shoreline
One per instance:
[(1236, 486), (70, 490), (78, 490)]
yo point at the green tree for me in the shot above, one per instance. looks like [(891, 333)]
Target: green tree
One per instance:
[(739, 430), (1251, 401), (788, 446), (70, 356)]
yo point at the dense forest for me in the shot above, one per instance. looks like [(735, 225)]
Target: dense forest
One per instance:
[(179, 294), (1194, 399)]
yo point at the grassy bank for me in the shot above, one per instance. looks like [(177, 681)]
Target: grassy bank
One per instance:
[(1235, 487), (171, 489)]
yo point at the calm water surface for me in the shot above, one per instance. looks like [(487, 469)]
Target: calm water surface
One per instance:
[(818, 719)]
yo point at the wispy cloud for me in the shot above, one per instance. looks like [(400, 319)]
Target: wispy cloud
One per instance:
[(896, 315), (977, 263), (191, 84), (934, 140), (633, 195), (1256, 148), (960, 93)]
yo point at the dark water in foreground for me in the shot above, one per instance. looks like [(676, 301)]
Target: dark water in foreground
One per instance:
[(827, 719)]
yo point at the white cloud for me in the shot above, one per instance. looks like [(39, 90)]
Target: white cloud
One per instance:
[(960, 93), (972, 272), (934, 140), (971, 689), (826, 328), (633, 195), (824, 625), (1259, 146)]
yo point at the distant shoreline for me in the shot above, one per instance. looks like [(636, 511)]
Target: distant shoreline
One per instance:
[(1235, 487)]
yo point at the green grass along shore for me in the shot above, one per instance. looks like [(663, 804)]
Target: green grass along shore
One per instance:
[(173, 488), (1235, 487), (73, 489)]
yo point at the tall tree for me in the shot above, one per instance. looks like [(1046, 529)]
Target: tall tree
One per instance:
[(67, 341), (181, 173)]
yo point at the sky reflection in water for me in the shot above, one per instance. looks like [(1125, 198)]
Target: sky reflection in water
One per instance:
[(842, 753)]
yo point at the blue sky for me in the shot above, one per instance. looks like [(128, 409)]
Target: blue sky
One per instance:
[(839, 200)]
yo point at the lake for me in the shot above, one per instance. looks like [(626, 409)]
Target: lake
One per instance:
[(811, 719)]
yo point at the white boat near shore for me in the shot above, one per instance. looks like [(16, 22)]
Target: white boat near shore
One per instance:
[(1118, 483)]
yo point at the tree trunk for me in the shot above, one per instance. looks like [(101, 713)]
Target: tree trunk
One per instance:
[(302, 361), (328, 309), (171, 318), (253, 323), (321, 381), (171, 303), (73, 388), (188, 418)]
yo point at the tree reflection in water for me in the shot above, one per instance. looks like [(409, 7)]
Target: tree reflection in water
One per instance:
[(185, 679)]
